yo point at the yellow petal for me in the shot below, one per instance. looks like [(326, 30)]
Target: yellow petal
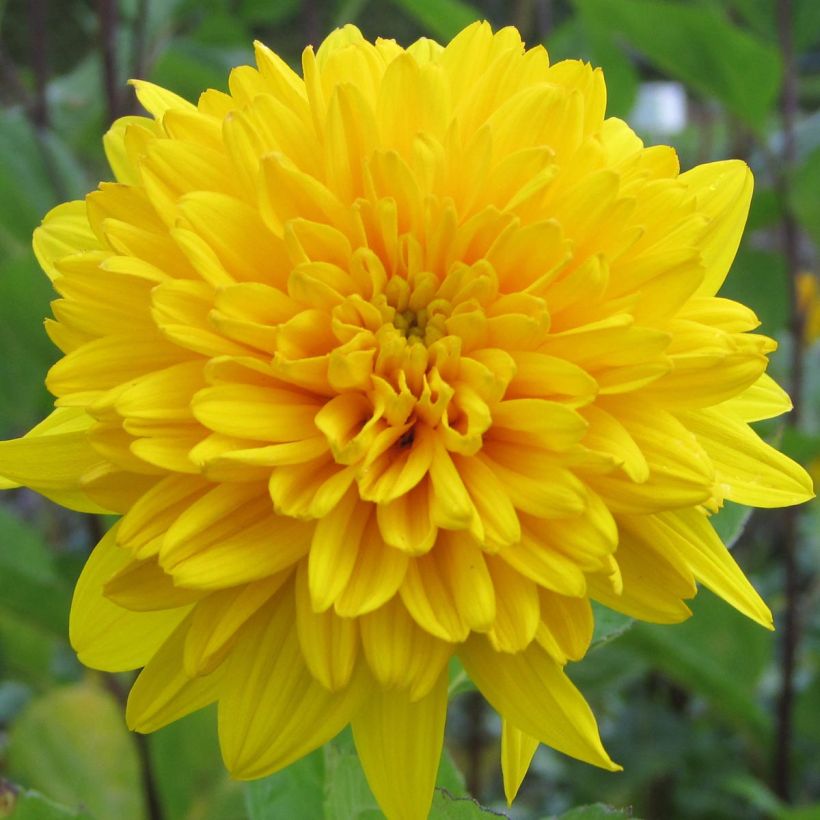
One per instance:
[(566, 626), (163, 692), (764, 399), (53, 458), (749, 471), (106, 636), (329, 643), (401, 654), (688, 534), (516, 607), (517, 752), (532, 692), (273, 711), (654, 586), (723, 191), (217, 619), (406, 522), (399, 743), (142, 586), (64, 231), (376, 576), (334, 549)]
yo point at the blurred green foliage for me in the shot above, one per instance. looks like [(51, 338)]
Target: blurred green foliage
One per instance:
[(688, 710)]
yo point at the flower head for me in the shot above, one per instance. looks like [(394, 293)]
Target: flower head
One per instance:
[(409, 357)]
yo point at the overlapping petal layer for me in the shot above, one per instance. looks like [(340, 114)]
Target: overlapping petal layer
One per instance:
[(406, 357)]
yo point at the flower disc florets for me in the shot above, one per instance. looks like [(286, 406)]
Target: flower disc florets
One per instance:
[(408, 357)]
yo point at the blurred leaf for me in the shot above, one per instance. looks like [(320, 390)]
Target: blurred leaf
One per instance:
[(188, 770), (29, 585), (801, 446), (297, 791), (806, 23), (347, 795), (459, 680), (329, 784), (805, 185), (348, 11), (449, 807), (718, 654), (766, 209), (26, 192), (699, 47), (619, 71), (443, 19), (190, 67), (267, 13), (30, 805), (26, 651), (596, 811), (608, 625), (13, 698), (72, 744), (731, 521), (25, 293), (758, 279)]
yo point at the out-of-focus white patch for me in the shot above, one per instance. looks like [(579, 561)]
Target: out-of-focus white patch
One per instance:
[(660, 108)]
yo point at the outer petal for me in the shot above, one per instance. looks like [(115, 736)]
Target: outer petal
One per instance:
[(399, 744), (274, 711), (531, 691), (724, 193), (106, 636), (53, 457), (517, 751), (164, 692), (64, 231)]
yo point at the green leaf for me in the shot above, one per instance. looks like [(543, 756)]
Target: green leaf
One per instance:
[(442, 18), (29, 584), (297, 791), (595, 811), (30, 805), (608, 625), (72, 744), (449, 807), (718, 654), (459, 680), (188, 770), (699, 47), (805, 184), (619, 70), (347, 795), (758, 279), (731, 522)]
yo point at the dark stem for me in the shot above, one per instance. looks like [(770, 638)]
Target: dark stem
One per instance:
[(789, 533), (544, 18), (153, 803), (310, 21), (474, 742), (38, 37), (107, 18), (138, 68)]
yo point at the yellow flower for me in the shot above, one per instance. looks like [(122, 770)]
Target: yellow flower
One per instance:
[(406, 358), (809, 302)]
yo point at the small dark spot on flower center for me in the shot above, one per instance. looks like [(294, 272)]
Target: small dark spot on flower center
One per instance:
[(407, 439)]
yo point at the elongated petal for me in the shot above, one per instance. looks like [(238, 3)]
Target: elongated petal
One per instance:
[(107, 636), (533, 693), (399, 742), (164, 692), (274, 711), (517, 752)]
